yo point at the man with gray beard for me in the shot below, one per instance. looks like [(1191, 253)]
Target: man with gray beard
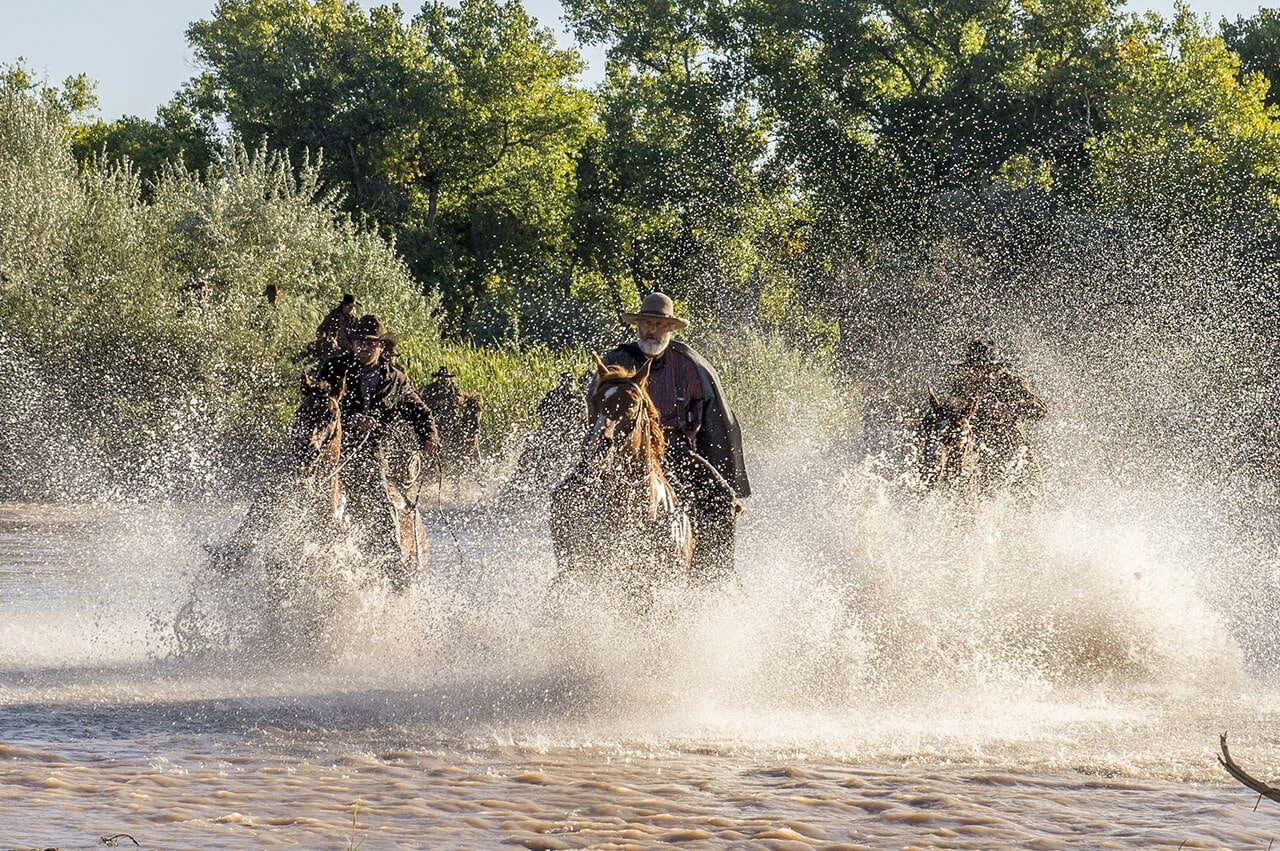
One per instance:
[(704, 456)]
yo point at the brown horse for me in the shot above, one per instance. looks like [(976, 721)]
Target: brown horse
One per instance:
[(946, 452), (615, 518), (384, 484), (366, 488)]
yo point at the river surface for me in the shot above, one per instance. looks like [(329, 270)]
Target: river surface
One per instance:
[(884, 677)]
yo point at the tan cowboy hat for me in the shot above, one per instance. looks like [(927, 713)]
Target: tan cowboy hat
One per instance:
[(656, 306), (369, 327)]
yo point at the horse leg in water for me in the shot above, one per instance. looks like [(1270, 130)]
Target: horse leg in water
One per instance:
[(402, 477), (372, 515), (570, 517), (713, 511)]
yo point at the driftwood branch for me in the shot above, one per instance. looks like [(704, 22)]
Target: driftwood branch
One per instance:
[(1243, 776), (112, 841)]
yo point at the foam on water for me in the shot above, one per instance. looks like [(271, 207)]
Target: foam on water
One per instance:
[(870, 623)]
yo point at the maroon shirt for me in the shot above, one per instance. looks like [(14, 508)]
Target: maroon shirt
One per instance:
[(676, 389)]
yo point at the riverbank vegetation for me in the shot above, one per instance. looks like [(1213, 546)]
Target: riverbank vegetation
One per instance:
[(796, 175)]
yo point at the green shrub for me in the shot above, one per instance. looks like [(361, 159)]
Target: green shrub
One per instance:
[(139, 333)]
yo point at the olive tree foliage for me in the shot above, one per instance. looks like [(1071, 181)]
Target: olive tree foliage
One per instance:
[(457, 130), (137, 331)]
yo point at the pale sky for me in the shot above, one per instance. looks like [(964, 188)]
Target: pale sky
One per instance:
[(137, 50)]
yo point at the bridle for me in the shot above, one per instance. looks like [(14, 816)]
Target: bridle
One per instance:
[(604, 393)]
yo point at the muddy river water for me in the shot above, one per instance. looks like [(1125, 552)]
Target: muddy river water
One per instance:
[(879, 679)]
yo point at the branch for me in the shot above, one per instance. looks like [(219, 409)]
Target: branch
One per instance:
[(890, 57), (1243, 776), (912, 29)]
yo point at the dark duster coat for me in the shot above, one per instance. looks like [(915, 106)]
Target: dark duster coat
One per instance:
[(338, 325), (393, 400), (720, 438)]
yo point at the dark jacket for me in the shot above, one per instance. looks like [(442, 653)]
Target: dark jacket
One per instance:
[(336, 326), (1005, 403), (393, 401), (720, 438)]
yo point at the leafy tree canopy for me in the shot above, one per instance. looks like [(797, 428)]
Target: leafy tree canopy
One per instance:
[(457, 129)]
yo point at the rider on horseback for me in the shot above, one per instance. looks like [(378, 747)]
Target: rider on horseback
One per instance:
[(377, 397), (1005, 403), (704, 456), (334, 333)]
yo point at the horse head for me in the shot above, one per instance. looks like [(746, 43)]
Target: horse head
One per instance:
[(623, 415), (944, 438), (317, 424)]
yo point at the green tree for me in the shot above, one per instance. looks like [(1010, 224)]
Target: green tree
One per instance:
[(1257, 40), (681, 192), (1190, 138), (179, 134), (859, 114), (457, 130), (73, 100)]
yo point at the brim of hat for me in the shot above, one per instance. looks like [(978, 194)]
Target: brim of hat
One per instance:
[(391, 339), (633, 318)]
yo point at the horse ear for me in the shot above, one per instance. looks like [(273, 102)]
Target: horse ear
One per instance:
[(642, 374), (601, 369), (933, 397), (341, 387)]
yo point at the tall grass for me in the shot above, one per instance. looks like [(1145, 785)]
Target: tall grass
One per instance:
[(511, 380)]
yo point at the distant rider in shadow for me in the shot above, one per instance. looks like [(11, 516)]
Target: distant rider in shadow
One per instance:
[(1006, 403)]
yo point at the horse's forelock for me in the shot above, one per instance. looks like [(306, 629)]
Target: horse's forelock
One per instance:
[(611, 375)]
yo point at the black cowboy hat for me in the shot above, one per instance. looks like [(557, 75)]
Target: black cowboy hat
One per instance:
[(443, 372), (979, 353), (369, 327), (656, 306)]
